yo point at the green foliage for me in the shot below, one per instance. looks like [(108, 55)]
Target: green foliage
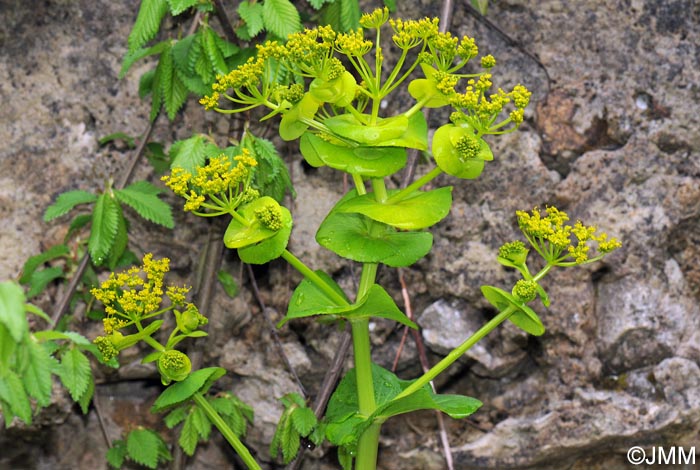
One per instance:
[(228, 282), (198, 382), (480, 5), (296, 421), (280, 17), (28, 360), (142, 446), (142, 196), (151, 13), (271, 175), (523, 317), (345, 424), (66, 202)]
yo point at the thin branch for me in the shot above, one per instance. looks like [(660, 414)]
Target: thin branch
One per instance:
[(98, 413), (223, 20)]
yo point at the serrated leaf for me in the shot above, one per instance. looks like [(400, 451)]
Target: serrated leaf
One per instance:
[(67, 201), (188, 436), (349, 14), (76, 224), (252, 14), (105, 223), (281, 18), (211, 48), (151, 13), (317, 4), (86, 398), (146, 83), (174, 92), (303, 420), (290, 442), (41, 278), (178, 6), (141, 198), (132, 57), (175, 417), (116, 454), (33, 262), (75, 372), (12, 310), (142, 446), (201, 423), (227, 49), (189, 153), (271, 175), (12, 392), (37, 375)]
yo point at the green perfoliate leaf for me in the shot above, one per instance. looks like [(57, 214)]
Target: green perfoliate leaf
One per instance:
[(151, 12), (280, 17), (374, 162), (67, 201), (37, 375), (105, 223), (178, 392), (292, 124), (141, 196), (116, 454), (396, 131), (361, 239), (178, 6), (142, 446), (12, 310), (418, 210), (308, 299), (240, 235), (75, 372), (270, 248), (252, 14), (523, 317), (12, 392)]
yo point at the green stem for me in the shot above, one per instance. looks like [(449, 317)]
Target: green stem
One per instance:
[(359, 183), (309, 274), (226, 431), (456, 353), (420, 182), (379, 189), (367, 448), (148, 340)]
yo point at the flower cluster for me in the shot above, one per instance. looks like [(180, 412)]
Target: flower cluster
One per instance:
[(552, 237), (225, 185)]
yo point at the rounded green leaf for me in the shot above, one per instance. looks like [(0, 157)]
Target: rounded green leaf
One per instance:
[(425, 89), (524, 317), (374, 162), (270, 248), (448, 158), (292, 124), (349, 127), (361, 239), (418, 210), (240, 235), (339, 91)]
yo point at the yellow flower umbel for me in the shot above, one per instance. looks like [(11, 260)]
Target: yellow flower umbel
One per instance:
[(551, 237), (132, 297), (216, 188)]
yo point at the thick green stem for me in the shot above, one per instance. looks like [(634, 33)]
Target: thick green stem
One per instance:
[(379, 189), (226, 431), (148, 340), (456, 353), (368, 447)]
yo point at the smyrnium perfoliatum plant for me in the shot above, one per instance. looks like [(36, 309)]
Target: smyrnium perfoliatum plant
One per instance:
[(327, 89)]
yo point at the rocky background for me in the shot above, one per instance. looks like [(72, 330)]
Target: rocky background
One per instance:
[(612, 137)]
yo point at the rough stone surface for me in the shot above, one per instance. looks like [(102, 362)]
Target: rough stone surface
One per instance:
[(612, 138)]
